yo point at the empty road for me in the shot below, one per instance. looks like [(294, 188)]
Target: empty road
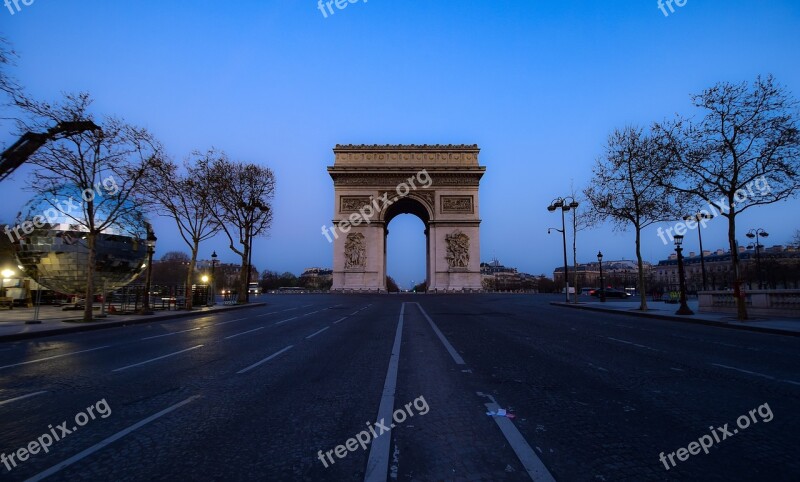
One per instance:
[(397, 387)]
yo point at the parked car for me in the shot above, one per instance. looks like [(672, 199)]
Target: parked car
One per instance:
[(610, 293)]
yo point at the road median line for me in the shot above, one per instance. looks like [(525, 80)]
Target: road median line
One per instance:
[(453, 353), (378, 461)]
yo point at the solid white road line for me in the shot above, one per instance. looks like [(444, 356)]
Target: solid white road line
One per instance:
[(317, 333), (354, 313), (23, 397), (245, 332), (174, 333), (453, 353), (313, 312), (270, 313), (339, 320), (157, 358), (245, 370), (631, 343), (284, 321), (100, 445), (532, 463), (54, 357), (770, 377), (378, 462)]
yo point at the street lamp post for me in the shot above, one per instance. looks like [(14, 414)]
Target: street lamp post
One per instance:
[(151, 248), (565, 206), (699, 217), (213, 279), (756, 233), (684, 308), (602, 286)]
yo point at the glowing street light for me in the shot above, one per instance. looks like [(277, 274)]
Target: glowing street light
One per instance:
[(6, 273)]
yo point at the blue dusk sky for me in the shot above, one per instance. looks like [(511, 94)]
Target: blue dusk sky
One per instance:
[(537, 85)]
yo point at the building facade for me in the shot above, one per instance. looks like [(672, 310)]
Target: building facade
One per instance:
[(776, 267)]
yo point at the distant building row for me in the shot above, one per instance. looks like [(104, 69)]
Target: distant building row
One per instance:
[(779, 269)]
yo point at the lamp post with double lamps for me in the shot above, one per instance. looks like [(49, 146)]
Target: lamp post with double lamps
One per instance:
[(699, 218), (565, 204), (756, 233), (602, 286), (684, 308)]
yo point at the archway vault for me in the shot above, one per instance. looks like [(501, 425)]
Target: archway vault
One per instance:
[(373, 184)]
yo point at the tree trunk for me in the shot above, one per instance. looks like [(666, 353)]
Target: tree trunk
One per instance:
[(741, 306), (640, 263), (242, 298), (190, 277), (91, 267)]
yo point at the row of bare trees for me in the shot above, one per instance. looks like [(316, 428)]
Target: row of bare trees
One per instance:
[(744, 134), (207, 194)]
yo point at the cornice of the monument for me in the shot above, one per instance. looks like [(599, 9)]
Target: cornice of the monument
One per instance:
[(406, 147)]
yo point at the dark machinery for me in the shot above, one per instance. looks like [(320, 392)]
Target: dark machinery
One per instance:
[(17, 154)]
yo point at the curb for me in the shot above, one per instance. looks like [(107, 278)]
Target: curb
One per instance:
[(116, 324), (680, 319)]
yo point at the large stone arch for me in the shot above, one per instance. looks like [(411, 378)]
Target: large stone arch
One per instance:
[(438, 184)]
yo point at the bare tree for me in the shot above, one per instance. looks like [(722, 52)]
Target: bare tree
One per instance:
[(104, 167), (795, 241), (627, 189), (744, 152), (9, 88), (7, 56), (241, 205), (186, 198)]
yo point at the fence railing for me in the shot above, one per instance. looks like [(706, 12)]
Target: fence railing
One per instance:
[(758, 302)]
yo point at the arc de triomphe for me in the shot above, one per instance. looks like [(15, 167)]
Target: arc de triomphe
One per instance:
[(373, 184)]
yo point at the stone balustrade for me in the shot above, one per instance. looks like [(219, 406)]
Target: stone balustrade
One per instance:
[(759, 302)]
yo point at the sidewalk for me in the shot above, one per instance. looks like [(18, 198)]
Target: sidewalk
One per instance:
[(666, 311), (55, 321)]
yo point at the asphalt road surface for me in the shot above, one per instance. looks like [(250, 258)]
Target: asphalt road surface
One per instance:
[(328, 387)]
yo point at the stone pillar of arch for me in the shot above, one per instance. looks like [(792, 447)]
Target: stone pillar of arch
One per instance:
[(373, 184)]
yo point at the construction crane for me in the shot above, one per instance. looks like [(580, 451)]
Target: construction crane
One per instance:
[(17, 154)]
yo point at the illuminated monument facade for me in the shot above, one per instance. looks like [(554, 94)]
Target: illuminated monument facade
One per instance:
[(438, 184)]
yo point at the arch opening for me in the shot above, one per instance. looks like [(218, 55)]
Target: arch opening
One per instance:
[(407, 244)]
